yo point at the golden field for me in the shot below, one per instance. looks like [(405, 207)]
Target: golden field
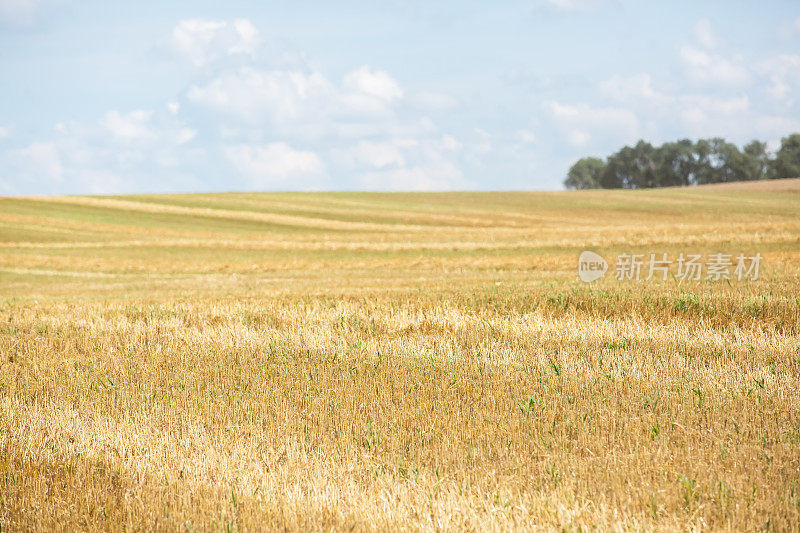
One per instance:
[(365, 361)]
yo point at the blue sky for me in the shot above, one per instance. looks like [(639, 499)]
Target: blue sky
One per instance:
[(119, 97)]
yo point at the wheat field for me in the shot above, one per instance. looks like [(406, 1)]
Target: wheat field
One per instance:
[(366, 361)]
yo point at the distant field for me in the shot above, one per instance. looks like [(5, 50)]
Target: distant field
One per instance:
[(397, 361)]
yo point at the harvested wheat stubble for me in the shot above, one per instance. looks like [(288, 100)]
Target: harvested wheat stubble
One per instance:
[(408, 361)]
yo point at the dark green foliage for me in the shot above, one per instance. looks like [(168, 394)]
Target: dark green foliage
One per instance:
[(676, 164), (631, 168), (758, 160), (683, 162), (720, 162), (585, 174), (787, 161)]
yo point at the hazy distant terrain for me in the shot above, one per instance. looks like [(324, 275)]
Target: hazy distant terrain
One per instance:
[(382, 361)]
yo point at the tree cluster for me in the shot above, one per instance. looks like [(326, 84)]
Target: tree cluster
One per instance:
[(686, 163)]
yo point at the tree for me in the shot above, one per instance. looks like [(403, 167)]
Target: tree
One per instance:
[(616, 174), (733, 164), (683, 163), (675, 164), (585, 174), (633, 167), (719, 161), (645, 175), (703, 171), (619, 170), (787, 160), (756, 160)]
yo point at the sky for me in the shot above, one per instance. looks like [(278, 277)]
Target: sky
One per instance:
[(106, 97)]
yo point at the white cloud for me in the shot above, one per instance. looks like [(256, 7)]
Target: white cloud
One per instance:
[(433, 101), (377, 154), (563, 4), (276, 165), (5, 132), (23, 12), (582, 124), (707, 115), (707, 111), (39, 161), (306, 105), (783, 75), (699, 111), (484, 143), (572, 5), (378, 84), (254, 95), (526, 136), (404, 163), (713, 69), (247, 36), (638, 87), (369, 93), (416, 178), (138, 127), (398, 152), (424, 165), (61, 165), (132, 126), (774, 128), (726, 106), (184, 135), (704, 35), (730, 117), (451, 143), (721, 102), (120, 152), (202, 41)]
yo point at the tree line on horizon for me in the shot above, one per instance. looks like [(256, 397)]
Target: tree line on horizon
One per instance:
[(683, 162)]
